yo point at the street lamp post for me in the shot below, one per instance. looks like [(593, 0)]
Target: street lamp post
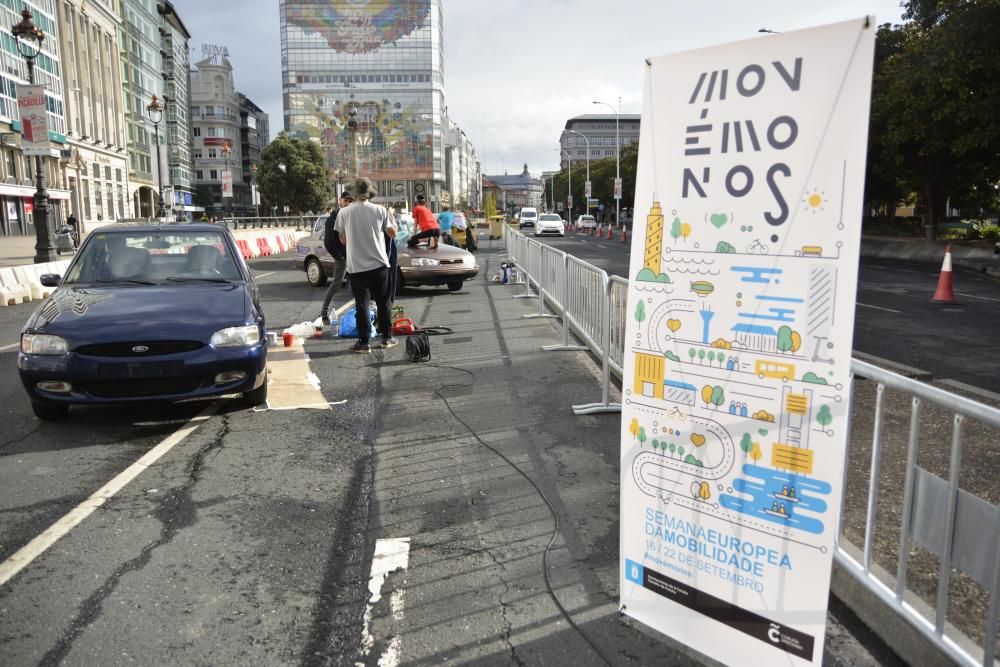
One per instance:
[(341, 175), (586, 195), (154, 111), (226, 152), (569, 186), (352, 126), (29, 39), (618, 159)]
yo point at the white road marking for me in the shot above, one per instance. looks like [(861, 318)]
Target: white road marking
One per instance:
[(971, 296), (26, 554), (263, 275), (601, 245), (888, 310), (390, 555), (907, 271), (9, 347)]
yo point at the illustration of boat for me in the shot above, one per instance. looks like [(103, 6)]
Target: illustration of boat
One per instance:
[(702, 287), (778, 511)]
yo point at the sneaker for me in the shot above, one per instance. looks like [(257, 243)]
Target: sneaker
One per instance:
[(389, 342), (326, 320), (361, 348)]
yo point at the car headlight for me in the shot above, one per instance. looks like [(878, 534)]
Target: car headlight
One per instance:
[(236, 336), (424, 261), (43, 344)]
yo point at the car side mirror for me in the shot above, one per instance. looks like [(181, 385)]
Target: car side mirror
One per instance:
[(49, 279)]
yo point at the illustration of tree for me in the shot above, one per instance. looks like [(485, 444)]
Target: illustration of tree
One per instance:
[(755, 453), (746, 444), (823, 417), (633, 427), (642, 435), (673, 448), (718, 396), (701, 356), (706, 394), (691, 353), (711, 356), (640, 311), (796, 341), (685, 231), (655, 444), (676, 229), (785, 338), (680, 452)]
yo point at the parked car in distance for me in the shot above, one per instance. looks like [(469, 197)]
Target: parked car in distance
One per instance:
[(528, 217), (585, 222), (445, 265), (550, 223), (146, 313)]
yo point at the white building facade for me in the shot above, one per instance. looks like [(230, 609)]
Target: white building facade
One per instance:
[(215, 128)]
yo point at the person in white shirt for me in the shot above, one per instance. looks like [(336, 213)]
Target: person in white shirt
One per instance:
[(362, 227)]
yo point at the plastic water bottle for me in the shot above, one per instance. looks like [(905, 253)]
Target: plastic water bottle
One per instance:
[(334, 326)]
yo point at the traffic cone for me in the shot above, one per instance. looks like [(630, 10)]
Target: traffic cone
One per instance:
[(944, 286), (591, 231), (624, 238), (610, 233)]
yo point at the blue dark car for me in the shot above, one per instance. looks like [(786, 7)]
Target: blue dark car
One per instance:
[(147, 313)]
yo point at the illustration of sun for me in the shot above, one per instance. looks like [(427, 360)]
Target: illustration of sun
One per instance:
[(815, 200)]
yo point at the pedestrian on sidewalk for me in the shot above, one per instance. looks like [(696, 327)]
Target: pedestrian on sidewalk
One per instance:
[(428, 226), (331, 241), (362, 227)]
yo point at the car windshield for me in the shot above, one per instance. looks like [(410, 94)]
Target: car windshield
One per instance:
[(549, 217), (154, 257), (586, 217), (527, 215)]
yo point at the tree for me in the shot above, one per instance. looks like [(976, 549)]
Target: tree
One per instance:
[(293, 173), (691, 353), (746, 443), (655, 444), (673, 448), (755, 452), (706, 394), (711, 356), (934, 100), (823, 417), (718, 396), (685, 231), (701, 356), (633, 427), (640, 311), (642, 435), (784, 339), (676, 229)]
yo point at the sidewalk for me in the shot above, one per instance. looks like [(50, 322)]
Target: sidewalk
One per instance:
[(474, 453), (20, 250)]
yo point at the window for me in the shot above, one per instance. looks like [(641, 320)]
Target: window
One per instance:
[(11, 164), (85, 188), (107, 176), (213, 174), (212, 153), (200, 175), (197, 131), (118, 175), (211, 131), (196, 154)]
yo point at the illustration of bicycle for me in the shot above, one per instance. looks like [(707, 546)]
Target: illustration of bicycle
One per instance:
[(757, 247)]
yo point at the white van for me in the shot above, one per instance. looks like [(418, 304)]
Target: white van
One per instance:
[(528, 217)]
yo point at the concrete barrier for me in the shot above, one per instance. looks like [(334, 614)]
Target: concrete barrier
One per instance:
[(980, 258)]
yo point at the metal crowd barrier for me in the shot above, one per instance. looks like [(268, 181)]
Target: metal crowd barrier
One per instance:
[(962, 530)]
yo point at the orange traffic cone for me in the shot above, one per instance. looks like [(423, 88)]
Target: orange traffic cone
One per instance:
[(610, 233), (944, 291), (624, 238)]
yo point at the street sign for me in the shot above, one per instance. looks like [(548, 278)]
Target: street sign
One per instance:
[(227, 183), (740, 317), (34, 120), (618, 188), (559, 206), (586, 189), (569, 201)]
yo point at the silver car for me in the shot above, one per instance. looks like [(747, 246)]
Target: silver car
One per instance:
[(445, 265)]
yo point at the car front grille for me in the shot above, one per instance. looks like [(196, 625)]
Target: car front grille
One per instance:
[(445, 262), (134, 348), (141, 388)]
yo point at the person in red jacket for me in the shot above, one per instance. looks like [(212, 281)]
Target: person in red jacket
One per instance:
[(429, 228)]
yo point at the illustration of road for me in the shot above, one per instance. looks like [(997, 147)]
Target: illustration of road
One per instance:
[(659, 320)]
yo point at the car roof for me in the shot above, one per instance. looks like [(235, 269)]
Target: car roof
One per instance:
[(120, 228)]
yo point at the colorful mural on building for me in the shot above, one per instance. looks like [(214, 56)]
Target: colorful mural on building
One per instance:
[(359, 26)]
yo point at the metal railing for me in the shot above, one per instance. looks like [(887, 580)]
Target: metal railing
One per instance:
[(965, 536)]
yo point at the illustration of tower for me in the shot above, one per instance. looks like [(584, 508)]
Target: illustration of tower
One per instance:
[(654, 239)]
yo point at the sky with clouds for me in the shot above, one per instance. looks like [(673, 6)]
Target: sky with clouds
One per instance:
[(516, 70)]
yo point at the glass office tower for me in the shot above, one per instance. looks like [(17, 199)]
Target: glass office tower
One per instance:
[(384, 59)]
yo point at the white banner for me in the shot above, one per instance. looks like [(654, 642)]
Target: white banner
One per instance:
[(618, 188), (737, 363), (227, 183), (586, 189), (34, 120)]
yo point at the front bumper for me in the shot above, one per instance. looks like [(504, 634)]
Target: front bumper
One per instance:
[(425, 275), (164, 378)]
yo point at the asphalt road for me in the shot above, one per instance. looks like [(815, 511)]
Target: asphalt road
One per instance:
[(260, 537), (895, 317)]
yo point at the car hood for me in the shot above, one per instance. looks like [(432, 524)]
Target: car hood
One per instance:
[(444, 252), (161, 312)]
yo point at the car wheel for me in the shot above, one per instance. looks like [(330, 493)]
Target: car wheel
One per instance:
[(256, 396), (455, 285), (315, 273), (50, 411)]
